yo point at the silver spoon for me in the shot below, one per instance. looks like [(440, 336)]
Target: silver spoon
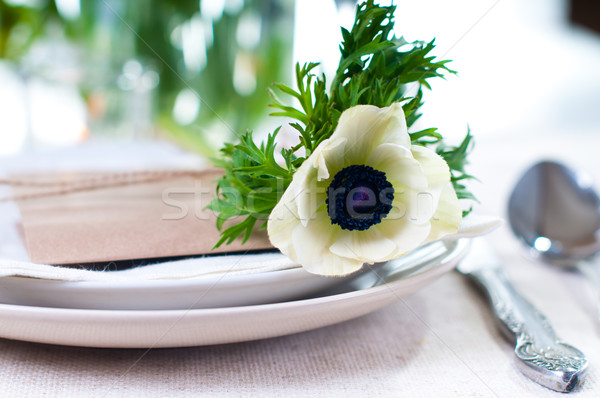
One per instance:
[(541, 355), (556, 212)]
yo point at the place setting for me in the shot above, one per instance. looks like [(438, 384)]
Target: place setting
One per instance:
[(241, 220), (140, 288), (359, 206)]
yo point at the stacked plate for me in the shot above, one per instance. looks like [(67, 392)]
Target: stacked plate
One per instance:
[(190, 311), (209, 310)]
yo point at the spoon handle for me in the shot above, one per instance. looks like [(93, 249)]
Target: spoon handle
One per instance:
[(540, 354)]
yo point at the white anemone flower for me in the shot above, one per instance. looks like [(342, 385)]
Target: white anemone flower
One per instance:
[(365, 195)]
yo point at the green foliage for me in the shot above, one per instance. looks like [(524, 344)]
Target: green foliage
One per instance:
[(456, 157), (21, 23), (252, 185), (375, 68)]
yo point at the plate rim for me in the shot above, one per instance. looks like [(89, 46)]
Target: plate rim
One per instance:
[(234, 278), (129, 329), (459, 253)]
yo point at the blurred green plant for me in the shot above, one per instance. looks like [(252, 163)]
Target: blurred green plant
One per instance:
[(21, 23), (198, 51), (223, 106)]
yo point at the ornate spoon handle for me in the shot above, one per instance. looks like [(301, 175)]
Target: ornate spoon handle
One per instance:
[(541, 355)]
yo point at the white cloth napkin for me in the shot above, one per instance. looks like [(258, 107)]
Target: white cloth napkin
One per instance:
[(208, 266)]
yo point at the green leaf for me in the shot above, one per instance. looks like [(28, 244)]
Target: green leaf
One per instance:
[(372, 70)]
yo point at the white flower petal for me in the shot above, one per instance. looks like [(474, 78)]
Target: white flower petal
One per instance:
[(435, 167), (366, 127), (417, 192), (305, 192), (425, 206), (415, 206), (332, 265), (312, 240), (329, 157), (367, 246), (309, 192), (405, 234), (398, 164), (311, 246), (321, 166), (309, 201), (282, 221), (448, 215)]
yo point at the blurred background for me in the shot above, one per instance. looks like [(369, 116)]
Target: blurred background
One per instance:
[(195, 72)]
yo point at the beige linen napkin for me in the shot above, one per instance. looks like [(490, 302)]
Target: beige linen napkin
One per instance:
[(208, 266), (83, 218)]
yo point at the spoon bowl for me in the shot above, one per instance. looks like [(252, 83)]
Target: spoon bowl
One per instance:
[(556, 212)]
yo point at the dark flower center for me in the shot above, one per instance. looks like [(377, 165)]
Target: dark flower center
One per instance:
[(358, 197)]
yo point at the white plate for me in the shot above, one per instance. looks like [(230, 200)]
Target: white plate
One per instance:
[(180, 328), (207, 292)]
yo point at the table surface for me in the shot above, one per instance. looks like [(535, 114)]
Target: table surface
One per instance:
[(439, 342)]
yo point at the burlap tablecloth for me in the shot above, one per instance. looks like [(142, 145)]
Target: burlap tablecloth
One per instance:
[(439, 342)]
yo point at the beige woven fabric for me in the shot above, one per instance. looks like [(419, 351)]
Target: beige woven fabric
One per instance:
[(439, 342)]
